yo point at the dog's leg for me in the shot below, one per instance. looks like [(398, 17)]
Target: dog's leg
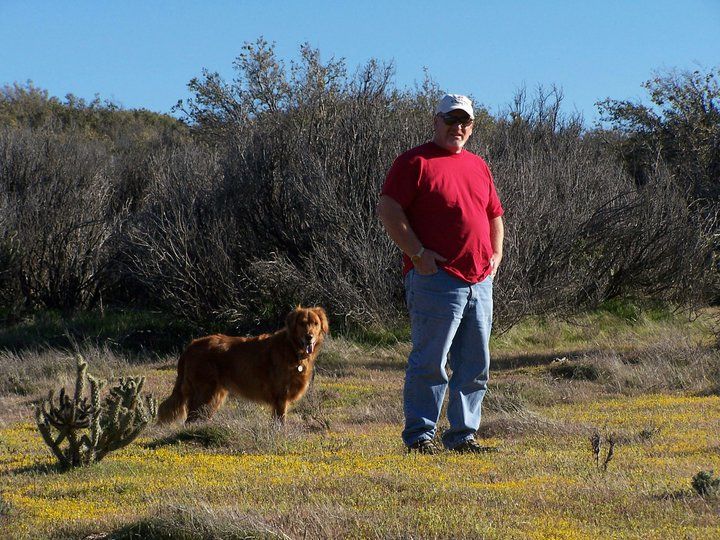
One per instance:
[(280, 410), (205, 400), (218, 400)]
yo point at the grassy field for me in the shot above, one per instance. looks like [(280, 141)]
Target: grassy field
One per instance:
[(648, 381)]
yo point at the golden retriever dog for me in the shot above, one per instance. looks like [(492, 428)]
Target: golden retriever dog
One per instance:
[(272, 368)]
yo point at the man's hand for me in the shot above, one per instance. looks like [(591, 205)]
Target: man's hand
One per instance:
[(495, 261), (427, 265), (497, 234)]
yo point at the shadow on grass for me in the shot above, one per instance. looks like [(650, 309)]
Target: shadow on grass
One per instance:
[(387, 365), (508, 362), (40, 468), (151, 529), (182, 528), (138, 334), (503, 362), (206, 436), (683, 495), (712, 389)]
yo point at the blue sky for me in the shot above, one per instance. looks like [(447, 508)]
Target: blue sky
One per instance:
[(143, 53)]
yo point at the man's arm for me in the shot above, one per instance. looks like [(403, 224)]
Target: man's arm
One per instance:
[(396, 224), (497, 234)]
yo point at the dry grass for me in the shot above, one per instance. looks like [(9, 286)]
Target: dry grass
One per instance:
[(338, 469)]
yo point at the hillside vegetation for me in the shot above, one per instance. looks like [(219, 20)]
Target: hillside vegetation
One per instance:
[(263, 196)]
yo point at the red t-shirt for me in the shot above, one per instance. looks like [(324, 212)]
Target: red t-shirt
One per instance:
[(449, 200)]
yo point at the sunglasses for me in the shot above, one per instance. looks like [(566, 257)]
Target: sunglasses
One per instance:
[(450, 120)]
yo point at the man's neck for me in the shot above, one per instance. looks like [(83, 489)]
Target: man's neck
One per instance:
[(451, 149)]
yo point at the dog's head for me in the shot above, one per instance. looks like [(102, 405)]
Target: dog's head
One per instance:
[(307, 328)]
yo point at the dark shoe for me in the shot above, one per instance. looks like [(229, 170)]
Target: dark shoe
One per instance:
[(423, 446), (471, 446)]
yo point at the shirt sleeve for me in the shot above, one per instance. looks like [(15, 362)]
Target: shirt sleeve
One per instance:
[(403, 180)]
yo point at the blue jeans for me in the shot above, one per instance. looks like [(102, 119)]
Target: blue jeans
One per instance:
[(449, 318)]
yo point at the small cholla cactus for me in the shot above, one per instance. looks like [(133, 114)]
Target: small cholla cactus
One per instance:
[(80, 432)]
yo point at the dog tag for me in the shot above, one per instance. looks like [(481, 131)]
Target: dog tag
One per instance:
[(300, 368)]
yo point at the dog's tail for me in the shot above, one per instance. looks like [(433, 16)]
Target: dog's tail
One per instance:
[(175, 405)]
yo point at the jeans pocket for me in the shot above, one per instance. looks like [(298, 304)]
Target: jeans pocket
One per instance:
[(437, 296), (423, 280), (418, 286)]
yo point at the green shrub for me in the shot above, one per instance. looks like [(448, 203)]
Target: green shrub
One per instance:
[(563, 368), (623, 308), (706, 485)]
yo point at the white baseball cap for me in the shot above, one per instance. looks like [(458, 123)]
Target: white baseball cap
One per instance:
[(452, 102)]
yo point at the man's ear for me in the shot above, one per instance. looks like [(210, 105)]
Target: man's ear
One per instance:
[(325, 324)]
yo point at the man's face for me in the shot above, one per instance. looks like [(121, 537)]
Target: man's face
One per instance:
[(454, 136)]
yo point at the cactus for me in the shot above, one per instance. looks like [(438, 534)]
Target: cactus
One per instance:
[(80, 432)]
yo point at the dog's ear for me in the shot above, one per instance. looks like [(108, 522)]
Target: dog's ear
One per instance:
[(320, 312), (290, 319)]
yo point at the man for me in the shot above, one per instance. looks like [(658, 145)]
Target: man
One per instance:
[(440, 207)]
